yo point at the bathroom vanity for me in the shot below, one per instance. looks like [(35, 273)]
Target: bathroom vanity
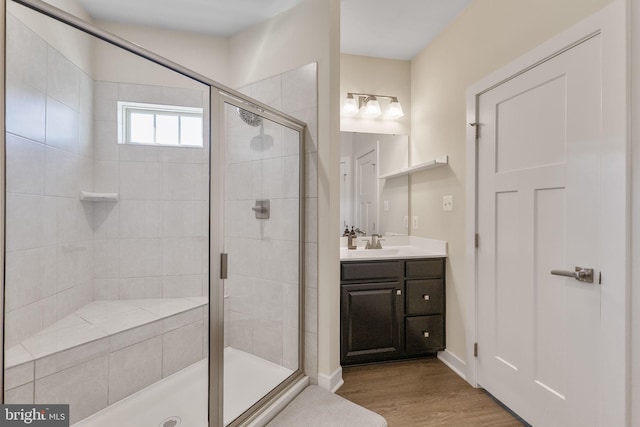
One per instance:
[(392, 301)]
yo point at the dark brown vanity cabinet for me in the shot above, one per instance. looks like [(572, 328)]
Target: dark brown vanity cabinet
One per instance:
[(391, 309)]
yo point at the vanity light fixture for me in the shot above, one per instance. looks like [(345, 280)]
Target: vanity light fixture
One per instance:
[(368, 106)]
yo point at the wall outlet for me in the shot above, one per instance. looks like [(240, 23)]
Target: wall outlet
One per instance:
[(386, 206), (447, 203), (415, 222)]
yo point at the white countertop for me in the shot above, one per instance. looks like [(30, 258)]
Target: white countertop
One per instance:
[(396, 247)]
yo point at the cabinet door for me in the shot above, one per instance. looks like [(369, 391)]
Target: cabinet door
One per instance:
[(372, 326)]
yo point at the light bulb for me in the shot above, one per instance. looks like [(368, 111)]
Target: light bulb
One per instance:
[(371, 108), (350, 107), (394, 110)]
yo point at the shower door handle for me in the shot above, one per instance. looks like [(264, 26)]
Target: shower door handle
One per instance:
[(223, 266)]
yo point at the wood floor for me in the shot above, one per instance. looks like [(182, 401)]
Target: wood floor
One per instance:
[(422, 392)]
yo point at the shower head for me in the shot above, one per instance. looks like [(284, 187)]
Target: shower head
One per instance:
[(252, 119)]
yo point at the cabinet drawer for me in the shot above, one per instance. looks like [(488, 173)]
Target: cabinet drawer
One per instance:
[(376, 270), (425, 268), (425, 297), (424, 334)]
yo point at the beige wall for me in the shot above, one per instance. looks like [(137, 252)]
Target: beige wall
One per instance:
[(376, 76), (308, 33), (487, 35), (207, 55)]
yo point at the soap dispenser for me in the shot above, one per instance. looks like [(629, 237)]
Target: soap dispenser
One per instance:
[(352, 240)]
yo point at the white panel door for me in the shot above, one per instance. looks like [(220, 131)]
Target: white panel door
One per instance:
[(539, 209), (367, 190)]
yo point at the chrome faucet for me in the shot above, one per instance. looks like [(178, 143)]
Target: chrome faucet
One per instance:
[(374, 243)]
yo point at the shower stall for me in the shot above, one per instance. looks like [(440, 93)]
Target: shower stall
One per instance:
[(154, 246)]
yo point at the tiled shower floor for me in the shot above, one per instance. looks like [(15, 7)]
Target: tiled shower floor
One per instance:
[(97, 320)]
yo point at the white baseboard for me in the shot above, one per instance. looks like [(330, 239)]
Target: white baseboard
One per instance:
[(454, 363), (333, 382)]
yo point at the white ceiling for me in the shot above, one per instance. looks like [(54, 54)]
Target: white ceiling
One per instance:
[(397, 29), (216, 17)]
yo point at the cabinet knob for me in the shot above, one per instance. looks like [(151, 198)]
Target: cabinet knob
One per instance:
[(425, 334), (398, 292), (426, 297)]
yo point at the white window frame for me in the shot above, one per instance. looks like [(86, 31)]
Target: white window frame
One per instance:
[(126, 108)]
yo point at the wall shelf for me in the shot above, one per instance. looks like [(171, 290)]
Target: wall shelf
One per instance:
[(440, 161), (90, 196)]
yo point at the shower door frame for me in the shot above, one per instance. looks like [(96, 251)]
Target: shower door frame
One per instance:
[(218, 101), (218, 95)]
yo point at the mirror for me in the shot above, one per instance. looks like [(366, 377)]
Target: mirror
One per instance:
[(368, 202)]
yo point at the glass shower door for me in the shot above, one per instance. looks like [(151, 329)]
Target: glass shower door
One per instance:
[(107, 232), (262, 237)]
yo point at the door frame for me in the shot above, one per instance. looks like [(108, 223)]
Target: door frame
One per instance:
[(348, 190), (614, 368), (356, 187)]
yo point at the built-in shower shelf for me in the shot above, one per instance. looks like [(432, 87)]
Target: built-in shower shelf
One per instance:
[(105, 326), (91, 196)]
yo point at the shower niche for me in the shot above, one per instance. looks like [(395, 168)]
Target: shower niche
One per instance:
[(108, 285)]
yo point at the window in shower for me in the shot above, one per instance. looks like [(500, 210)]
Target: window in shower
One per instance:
[(157, 124)]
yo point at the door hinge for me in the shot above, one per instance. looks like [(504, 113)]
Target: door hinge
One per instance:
[(223, 266), (476, 126), (477, 240), (475, 349)]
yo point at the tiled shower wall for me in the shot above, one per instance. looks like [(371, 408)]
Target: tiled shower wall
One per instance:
[(49, 253), (63, 253), (262, 304), (153, 243)]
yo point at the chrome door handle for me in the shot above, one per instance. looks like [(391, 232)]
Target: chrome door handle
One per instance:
[(581, 274)]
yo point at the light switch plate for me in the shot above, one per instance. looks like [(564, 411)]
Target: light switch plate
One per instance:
[(447, 203)]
